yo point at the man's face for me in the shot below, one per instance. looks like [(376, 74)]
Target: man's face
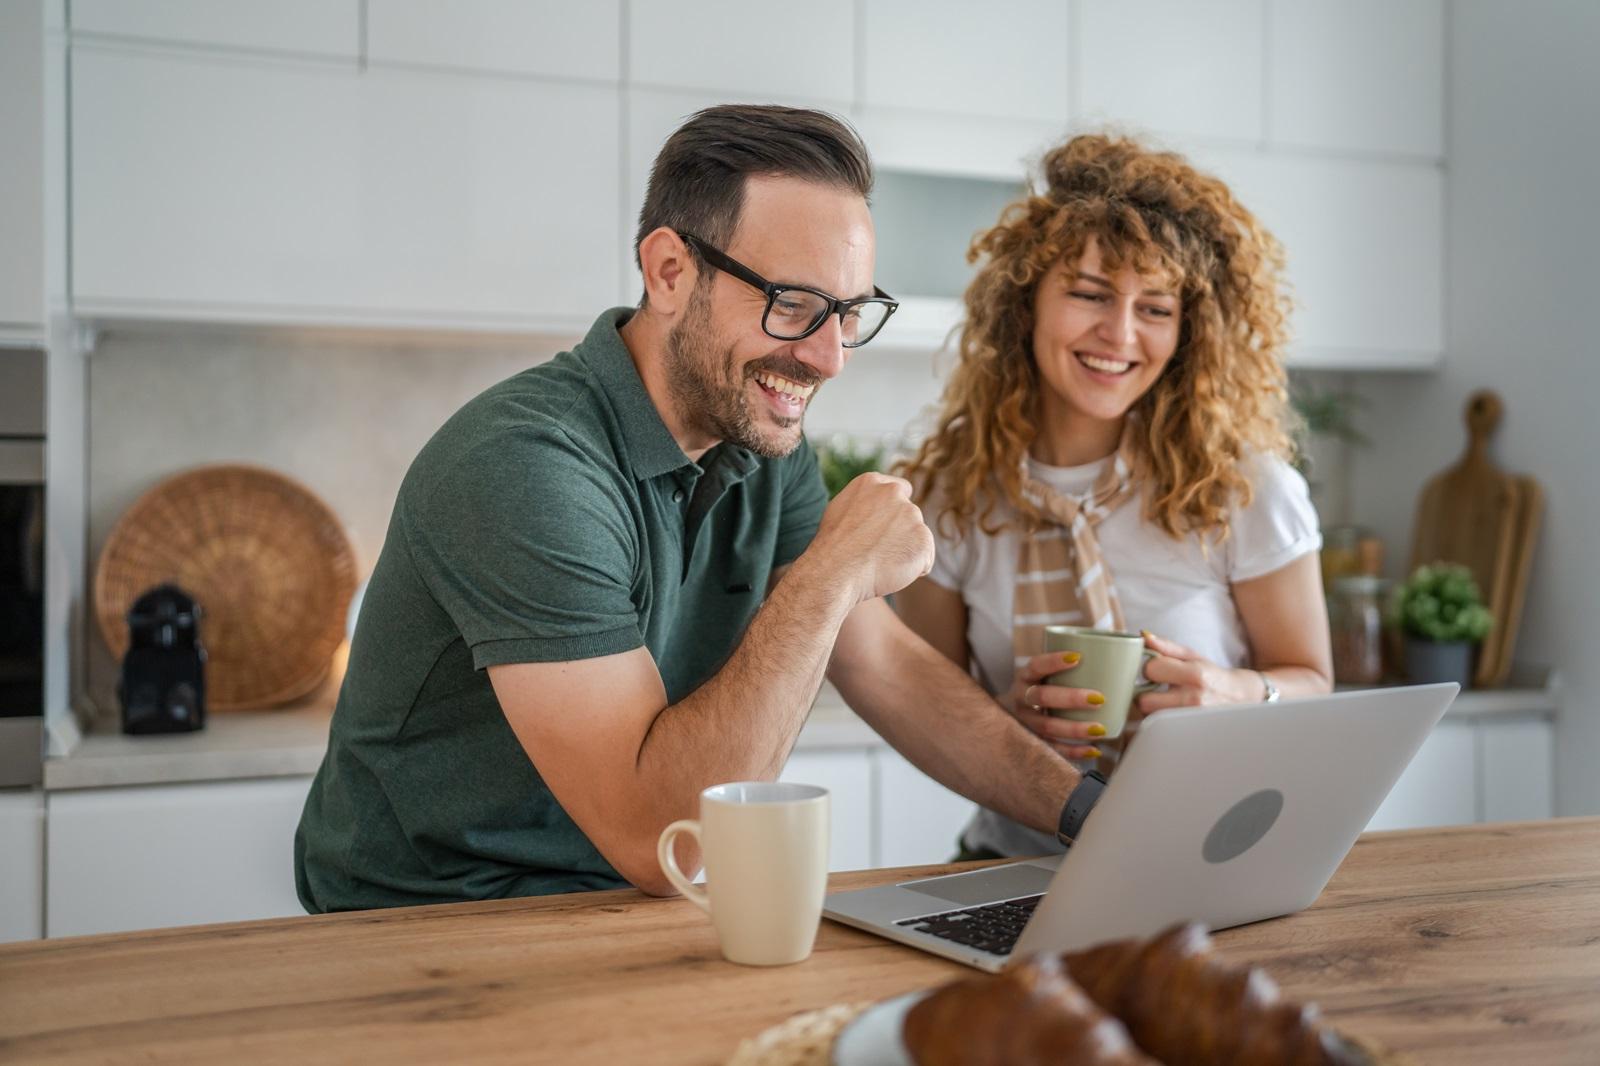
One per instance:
[(729, 380)]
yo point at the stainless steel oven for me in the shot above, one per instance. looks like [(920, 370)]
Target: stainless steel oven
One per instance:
[(22, 515)]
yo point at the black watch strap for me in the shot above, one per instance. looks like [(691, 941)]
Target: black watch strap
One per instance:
[(1079, 804)]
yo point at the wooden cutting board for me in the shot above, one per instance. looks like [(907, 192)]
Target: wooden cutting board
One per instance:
[(1478, 515)]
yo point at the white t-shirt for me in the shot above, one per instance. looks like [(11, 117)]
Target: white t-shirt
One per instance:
[(1175, 588)]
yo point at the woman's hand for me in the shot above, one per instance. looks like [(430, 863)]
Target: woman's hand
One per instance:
[(1031, 694), (1192, 680)]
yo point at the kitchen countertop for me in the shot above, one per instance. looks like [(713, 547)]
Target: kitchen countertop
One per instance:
[(1460, 946), (290, 742)]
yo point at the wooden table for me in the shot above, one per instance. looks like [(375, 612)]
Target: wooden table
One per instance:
[(1479, 944)]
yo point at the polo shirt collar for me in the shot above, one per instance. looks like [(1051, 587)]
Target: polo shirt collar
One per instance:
[(652, 451)]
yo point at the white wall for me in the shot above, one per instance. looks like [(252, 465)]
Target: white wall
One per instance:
[(1522, 239)]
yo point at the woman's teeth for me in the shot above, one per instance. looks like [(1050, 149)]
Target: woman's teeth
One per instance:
[(1105, 366), (785, 386)]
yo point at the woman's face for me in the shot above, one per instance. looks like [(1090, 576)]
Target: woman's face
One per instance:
[(1100, 339)]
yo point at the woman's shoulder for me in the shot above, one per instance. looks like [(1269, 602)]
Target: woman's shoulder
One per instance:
[(1273, 479)]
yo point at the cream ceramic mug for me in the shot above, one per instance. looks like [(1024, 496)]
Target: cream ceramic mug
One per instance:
[(766, 854), (1111, 663)]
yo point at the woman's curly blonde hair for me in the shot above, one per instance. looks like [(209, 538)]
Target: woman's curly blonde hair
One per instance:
[(1225, 388)]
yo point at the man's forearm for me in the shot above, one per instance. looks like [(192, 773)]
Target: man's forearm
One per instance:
[(741, 723), (940, 719)]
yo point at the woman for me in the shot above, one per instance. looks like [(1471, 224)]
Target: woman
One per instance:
[(1122, 360)]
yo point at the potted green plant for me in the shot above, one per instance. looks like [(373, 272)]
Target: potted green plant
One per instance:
[(842, 461), (1441, 614)]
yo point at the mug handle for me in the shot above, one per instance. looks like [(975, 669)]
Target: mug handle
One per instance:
[(1149, 686), (669, 862)]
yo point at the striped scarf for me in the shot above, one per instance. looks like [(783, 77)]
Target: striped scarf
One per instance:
[(1062, 579)]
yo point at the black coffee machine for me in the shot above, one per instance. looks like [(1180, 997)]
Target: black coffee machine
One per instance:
[(163, 685)]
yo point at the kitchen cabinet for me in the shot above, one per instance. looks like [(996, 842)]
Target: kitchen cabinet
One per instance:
[(138, 858), (1476, 769), (1515, 757), (1133, 55), (313, 27), (759, 53), (847, 775), (1365, 247), (918, 818), (1361, 75), (1009, 57), (954, 88), (554, 38), (254, 191), (21, 865), (22, 170)]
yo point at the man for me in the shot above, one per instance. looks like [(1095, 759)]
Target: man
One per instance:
[(615, 579)]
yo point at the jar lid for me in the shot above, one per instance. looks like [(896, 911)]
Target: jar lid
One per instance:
[(1367, 584)]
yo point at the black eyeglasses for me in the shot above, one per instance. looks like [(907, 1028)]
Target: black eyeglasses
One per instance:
[(795, 312)]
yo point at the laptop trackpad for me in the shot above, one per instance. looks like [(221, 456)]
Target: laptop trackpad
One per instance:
[(985, 886)]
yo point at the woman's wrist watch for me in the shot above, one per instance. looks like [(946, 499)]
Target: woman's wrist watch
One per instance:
[(1078, 806), (1270, 692)]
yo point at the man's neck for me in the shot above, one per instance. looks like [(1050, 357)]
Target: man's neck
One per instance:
[(645, 337)]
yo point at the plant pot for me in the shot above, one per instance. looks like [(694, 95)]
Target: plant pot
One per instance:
[(1430, 661)]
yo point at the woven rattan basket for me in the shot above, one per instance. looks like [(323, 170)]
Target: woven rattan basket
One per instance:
[(267, 561)]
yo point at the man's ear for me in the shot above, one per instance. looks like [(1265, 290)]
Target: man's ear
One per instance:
[(669, 269)]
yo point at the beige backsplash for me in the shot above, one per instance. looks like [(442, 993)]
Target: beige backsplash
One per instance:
[(346, 412), (342, 413)]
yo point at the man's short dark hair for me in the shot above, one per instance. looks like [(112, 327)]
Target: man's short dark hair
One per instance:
[(697, 182)]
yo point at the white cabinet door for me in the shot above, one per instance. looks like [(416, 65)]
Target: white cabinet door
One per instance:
[(21, 866), (847, 775), (1004, 58), (1132, 58), (919, 819), (740, 50), (137, 858), (1366, 75), (1365, 247), (1440, 787), (950, 87), (550, 37), (318, 27), (262, 191), (22, 166), (1518, 760)]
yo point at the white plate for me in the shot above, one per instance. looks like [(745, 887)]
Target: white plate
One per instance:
[(873, 1037)]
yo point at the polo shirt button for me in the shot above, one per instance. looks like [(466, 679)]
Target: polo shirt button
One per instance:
[(677, 495)]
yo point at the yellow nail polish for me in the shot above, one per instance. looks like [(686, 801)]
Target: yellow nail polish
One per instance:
[(1097, 730), (1096, 699), (1094, 753), (1071, 658), (1146, 634)]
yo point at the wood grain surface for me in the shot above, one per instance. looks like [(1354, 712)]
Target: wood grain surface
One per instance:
[(1477, 944)]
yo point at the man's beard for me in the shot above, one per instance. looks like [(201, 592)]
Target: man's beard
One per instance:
[(708, 387)]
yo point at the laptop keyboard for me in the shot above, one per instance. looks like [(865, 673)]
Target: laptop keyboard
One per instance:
[(993, 927)]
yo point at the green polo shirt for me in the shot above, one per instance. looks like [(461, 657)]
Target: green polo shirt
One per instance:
[(552, 518)]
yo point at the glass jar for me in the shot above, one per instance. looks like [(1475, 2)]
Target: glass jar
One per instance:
[(1341, 553), (1355, 617)]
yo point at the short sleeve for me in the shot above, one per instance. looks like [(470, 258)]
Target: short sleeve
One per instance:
[(1279, 525), (528, 545), (805, 497), (953, 555)]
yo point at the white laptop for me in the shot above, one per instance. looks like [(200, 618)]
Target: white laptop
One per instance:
[(1222, 815)]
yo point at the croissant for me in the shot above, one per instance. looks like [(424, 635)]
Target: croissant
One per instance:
[(1030, 1014), (1187, 1007)]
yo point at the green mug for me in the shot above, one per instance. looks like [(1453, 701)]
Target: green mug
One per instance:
[(1109, 663)]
